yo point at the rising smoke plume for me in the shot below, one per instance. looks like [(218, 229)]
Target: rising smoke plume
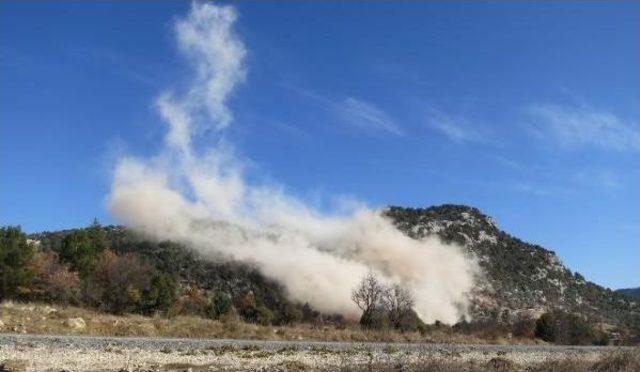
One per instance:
[(201, 198)]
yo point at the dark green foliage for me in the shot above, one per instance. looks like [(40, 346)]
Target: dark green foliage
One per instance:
[(263, 315), (409, 321), (257, 313), (375, 318), (15, 253), (546, 328), (81, 247), (487, 328), (77, 250), (564, 328), (308, 314), (254, 310), (290, 314), (160, 296), (220, 305)]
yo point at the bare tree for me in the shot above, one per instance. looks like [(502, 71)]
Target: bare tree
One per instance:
[(367, 296), (398, 302)]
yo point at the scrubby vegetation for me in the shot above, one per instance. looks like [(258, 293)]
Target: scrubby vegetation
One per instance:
[(384, 306), (111, 269), (569, 329)]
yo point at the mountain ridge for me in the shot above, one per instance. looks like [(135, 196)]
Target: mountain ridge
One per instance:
[(633, 292)]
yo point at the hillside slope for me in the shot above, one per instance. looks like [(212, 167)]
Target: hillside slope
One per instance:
[(633, 292), (517, 276)]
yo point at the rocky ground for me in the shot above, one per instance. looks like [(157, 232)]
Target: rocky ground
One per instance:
[(81, 353)]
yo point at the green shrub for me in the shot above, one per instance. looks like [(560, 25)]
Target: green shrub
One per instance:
[(564, 328), (375, 318), (220, 305), (81, 248), (546, 328), (15, 253), (290, 314), (160, 296)]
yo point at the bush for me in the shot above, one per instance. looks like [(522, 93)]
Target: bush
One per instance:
[(546, 328), (290, 314), (564, 328), (409, 321), (81, 248), (193, 301), (160, 296), (487, 328), (255, 311), (375, 318), (15, 253), (524, 327), (53, 281), (263, 315), (220, 305), (118, 283)]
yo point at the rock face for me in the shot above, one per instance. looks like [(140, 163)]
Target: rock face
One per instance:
[(518, 276)]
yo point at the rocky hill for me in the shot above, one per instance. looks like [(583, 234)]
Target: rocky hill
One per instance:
[(517, 277)]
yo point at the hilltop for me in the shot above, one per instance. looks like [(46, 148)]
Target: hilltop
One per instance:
[(518, 276)]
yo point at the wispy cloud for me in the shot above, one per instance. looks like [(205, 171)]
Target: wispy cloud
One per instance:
[(542, 189), (508, 163), (583, 126), (117, 63), (457, 129), (352, 111), (600, 179), (365, 115)]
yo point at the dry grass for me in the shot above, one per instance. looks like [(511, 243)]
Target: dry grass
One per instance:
[(49, 319)]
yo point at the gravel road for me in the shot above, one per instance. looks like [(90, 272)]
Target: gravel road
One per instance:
[(46, 352), (153, 343)]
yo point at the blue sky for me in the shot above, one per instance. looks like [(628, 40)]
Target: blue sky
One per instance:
[(530, 112)]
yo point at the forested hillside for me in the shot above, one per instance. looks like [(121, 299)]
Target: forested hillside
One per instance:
[(114, 269)]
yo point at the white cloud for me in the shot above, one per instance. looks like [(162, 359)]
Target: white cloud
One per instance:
[(583, 126), (366, 116), (508, 163), (601, 179), (355, 112), (455, 128), (542, 188)]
